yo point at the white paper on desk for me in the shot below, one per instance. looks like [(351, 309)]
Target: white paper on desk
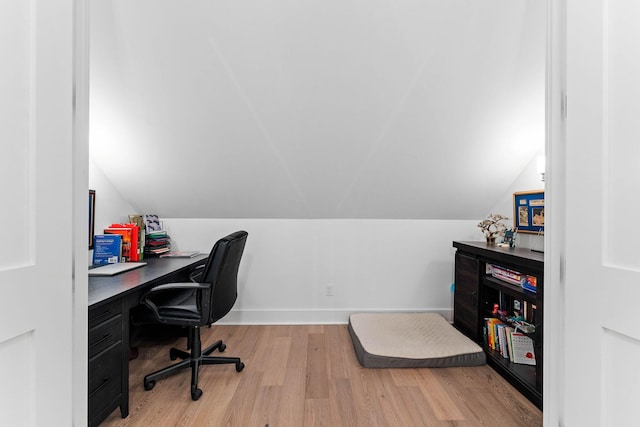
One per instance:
[(113, 269)]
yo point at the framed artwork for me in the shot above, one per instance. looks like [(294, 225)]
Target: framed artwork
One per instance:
[(92, 216), (528, 211)]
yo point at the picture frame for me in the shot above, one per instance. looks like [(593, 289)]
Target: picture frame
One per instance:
[(528, 211), (92, 216)]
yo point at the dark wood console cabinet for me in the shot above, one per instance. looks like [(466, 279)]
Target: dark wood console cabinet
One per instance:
[(475, 294)]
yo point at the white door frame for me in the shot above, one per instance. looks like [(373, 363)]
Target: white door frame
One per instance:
[(553, 386), (80, 210), (43, 283)]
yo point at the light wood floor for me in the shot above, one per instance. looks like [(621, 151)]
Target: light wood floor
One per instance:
[(309, 376)]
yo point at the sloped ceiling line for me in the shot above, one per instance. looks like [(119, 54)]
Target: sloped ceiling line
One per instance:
[(377, 142), (261, 126)]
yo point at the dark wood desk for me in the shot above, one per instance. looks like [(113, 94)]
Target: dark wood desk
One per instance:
[(110, 300)]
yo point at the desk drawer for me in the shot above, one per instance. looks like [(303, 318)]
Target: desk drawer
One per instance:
[(104, 335), (105, 378), (104, 312)]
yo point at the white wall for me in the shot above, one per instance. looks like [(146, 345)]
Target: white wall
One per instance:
[(111, 207), (398, 265)]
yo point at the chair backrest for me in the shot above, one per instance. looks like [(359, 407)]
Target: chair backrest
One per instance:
[(221, 271)]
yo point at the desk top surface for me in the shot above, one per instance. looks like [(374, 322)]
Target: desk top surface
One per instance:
[(102, 289), (517, 256)]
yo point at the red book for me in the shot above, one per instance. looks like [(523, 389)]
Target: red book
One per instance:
[(130, 240)]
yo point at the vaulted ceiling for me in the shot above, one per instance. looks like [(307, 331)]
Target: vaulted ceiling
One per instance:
[(316, 109)]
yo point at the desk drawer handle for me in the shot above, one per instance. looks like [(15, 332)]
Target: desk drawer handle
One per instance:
[(101, 340), (105, 381), (103, 314)]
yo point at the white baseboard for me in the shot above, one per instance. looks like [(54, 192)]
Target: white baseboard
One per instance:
[(309, 317)]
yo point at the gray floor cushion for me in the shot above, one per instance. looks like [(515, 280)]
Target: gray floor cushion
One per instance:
[(411, 340)]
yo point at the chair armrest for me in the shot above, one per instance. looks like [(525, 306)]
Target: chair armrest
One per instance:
[(205, 288), (177, 285), (196, 272)]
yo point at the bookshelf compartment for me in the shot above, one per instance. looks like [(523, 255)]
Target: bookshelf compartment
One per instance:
[(504, 300), (522, 377), (509, 288)]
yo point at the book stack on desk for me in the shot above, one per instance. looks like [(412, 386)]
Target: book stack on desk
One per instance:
[(130, 240), (157, 241)]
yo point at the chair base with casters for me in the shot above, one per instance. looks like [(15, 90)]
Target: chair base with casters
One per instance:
[(193, 360)]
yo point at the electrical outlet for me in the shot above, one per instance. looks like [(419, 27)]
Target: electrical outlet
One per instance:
[(329, 290)]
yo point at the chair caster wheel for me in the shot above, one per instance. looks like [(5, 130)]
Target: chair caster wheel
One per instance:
[(195, 393), (239, 366), (172, 355), (222, 347), (149, 385)]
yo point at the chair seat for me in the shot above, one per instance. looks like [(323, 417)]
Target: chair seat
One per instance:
[(181, 305), (185, 311)]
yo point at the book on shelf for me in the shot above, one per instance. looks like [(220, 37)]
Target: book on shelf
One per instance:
[(152, 223), (508, 330), (107, 249), (158, 251), (180, 254), (138, 220), (157, 241), (130, 239), (531, 284), (522, 347), (157, 246), (125, 234), (508, 275), (157, 238), (136, 249), (492, 337), (502, 338)]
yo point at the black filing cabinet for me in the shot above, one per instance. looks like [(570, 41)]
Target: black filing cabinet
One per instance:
[(108, 388)]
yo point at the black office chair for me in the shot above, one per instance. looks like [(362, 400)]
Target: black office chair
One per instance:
[(194, 305)]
